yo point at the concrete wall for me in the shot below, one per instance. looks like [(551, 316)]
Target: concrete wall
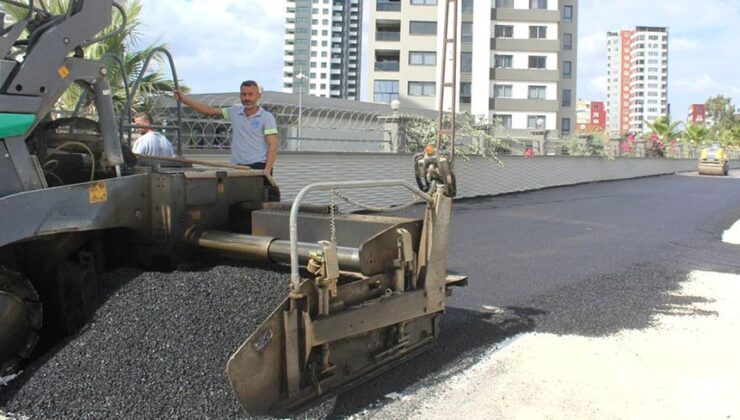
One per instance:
[(475, 177)]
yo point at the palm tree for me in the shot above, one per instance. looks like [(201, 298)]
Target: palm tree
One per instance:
[(664, 132), (664, 128), (123, 45), (695, 136)]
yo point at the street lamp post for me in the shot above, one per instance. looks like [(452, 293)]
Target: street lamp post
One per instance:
[(301, 77)]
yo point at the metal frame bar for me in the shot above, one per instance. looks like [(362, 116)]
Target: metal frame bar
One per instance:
[(328, 186), (443, 82)]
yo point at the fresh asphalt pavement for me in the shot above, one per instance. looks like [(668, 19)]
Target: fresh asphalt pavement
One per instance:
[(590, 260)]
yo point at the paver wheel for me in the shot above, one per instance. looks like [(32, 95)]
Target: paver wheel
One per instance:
[(20, 320)]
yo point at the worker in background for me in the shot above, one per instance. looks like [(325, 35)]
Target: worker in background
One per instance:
[(151, 142), (254, 131)]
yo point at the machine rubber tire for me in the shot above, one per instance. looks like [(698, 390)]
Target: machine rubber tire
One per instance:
[(20, 320), (75, 295)]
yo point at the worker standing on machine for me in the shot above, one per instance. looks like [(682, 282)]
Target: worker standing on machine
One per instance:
[(254, 140), (151, 142)]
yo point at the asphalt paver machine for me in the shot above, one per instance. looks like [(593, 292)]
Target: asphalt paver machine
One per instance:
[(366, 291)]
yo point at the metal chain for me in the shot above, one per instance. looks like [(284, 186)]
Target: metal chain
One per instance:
[(374, 208), (332, 213)]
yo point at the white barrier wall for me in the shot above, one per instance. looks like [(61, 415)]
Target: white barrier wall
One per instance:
[(475, 177)]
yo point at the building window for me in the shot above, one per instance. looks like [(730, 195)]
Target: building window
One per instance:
[(566, 98), (568, 13), (502, 91), (503, 61), (422, 28), (537, 62), (465, 92), (567, 41), (503, 31), (537, 92), (535, 122), (467, 6), (539, 32), (505, 4), (538, 4), (424, 2), (565, 125), (466, 62), (422, 88), (567, 69), (422, 58), (385, 90), (466, 31), (503, 120)]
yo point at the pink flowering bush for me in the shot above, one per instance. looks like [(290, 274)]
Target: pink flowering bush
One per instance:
[(654, 146), (627, 146)]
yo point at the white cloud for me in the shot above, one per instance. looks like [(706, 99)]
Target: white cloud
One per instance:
[(218, 44), (684, 45), (599, 83)]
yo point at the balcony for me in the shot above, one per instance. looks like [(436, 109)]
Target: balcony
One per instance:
[(525, 15), (525, 75), (388, 36), (387, 66), (528, 45), (388, 6), (524, 105)]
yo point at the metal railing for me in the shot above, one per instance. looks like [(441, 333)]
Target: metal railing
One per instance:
[(387, 36)]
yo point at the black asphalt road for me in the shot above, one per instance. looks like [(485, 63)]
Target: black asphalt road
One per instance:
[(586, 260), (583, 260)]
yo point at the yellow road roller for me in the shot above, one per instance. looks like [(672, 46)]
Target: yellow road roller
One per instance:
[(713, 161)]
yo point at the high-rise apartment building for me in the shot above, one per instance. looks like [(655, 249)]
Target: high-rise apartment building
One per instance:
[(322, 48), (637, 78), (516, 58)]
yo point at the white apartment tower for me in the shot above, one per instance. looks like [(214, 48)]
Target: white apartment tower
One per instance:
[(516, 58), (322, 48), (637, 78)]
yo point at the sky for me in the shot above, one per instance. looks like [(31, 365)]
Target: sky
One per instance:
[(218, 44)]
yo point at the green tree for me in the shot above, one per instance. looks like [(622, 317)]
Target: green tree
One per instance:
[(731, 137), (722, 112), (475, 136), (124, 45)]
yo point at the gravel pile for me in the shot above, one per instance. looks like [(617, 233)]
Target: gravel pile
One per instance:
[(156, 348)]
